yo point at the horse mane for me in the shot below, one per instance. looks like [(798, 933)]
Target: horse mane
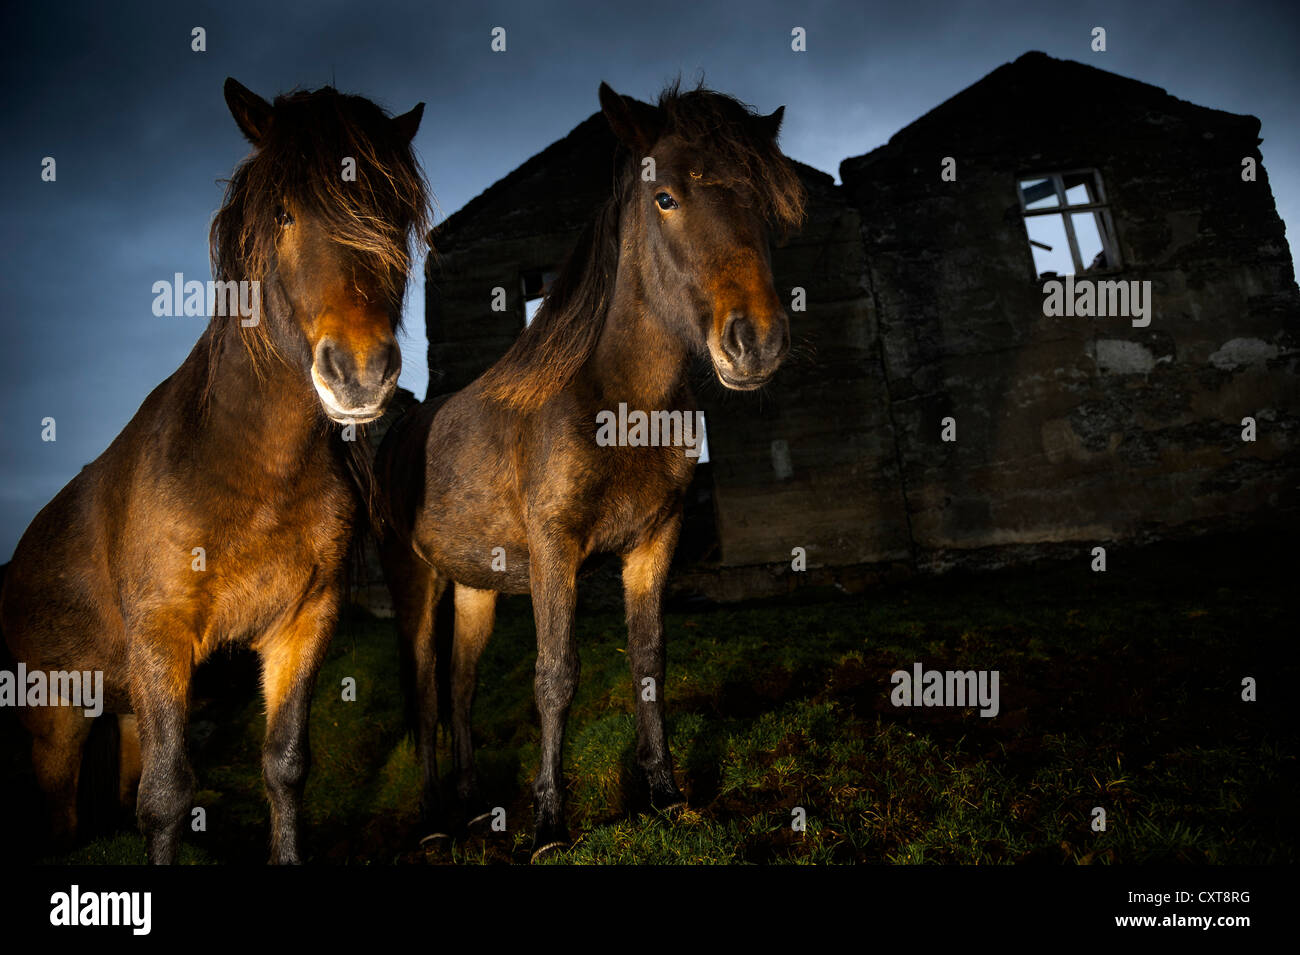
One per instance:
[(377, 215), (550, 351), (553, 348)]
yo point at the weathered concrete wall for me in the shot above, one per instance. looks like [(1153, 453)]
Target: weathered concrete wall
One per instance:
[(810, 461), (1084, 429)]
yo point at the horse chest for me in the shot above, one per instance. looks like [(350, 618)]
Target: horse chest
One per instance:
[(266, 560), (617, 505)]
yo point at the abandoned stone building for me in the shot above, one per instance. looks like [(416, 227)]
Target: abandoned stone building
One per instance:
[(933, 413)]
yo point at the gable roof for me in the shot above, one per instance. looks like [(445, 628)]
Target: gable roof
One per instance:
[(1047, 98), (556, 188)]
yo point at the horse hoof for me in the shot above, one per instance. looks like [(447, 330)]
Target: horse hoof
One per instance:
[(670, 801), (545, 848)]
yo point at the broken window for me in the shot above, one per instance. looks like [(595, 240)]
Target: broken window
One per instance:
[(1069, 223), (536, 284)]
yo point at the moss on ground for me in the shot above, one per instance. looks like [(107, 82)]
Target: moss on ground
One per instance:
[(1118, 690)]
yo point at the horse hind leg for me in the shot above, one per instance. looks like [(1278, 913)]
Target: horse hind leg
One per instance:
[(59, 735), (416, 590), (475, 616)]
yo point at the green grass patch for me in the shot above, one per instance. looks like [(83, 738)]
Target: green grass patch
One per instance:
[(1118, 691)]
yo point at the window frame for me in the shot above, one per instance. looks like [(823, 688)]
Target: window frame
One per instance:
[(1109, 237)]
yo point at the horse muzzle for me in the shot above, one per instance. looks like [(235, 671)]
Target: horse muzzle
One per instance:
[(748, 353), (352, 391)]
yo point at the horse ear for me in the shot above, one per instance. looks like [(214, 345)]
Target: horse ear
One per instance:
[(406, 124), (637, 125), (771, 123), (251, 112)]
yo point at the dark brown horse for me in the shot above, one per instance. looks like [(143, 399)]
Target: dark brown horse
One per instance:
[(223, 511), (512, 483)]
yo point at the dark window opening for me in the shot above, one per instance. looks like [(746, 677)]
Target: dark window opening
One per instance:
[(1069, 223)]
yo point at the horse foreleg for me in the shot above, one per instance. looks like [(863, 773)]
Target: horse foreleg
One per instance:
[(291, 658), (475, 615), (553, 569), (645, 571), (161, 667)]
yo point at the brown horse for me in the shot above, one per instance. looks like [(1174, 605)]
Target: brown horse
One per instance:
[(514, 481), (224, 510)]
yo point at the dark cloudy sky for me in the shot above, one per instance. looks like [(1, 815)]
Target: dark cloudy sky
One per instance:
[(141, 135)]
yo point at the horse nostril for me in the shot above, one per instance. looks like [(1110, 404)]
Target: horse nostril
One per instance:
[(738, 337), (332, 362)]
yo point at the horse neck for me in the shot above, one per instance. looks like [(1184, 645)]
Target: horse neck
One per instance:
[(264, 413), (638, 359)]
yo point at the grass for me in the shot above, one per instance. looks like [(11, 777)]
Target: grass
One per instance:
[(1119, 691)]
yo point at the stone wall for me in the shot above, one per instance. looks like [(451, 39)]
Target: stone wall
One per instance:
[(810, 461), (1080, 429)]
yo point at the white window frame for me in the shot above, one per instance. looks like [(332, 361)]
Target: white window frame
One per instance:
[(1109, 241)]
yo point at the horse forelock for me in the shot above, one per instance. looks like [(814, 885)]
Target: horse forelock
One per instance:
[(743, 158), (552, 349), (379, 215)]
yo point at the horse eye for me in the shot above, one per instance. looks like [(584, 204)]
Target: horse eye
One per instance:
[(282, 217), (666, 201)]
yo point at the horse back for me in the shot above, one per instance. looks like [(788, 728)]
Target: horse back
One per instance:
[(474, 478)]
